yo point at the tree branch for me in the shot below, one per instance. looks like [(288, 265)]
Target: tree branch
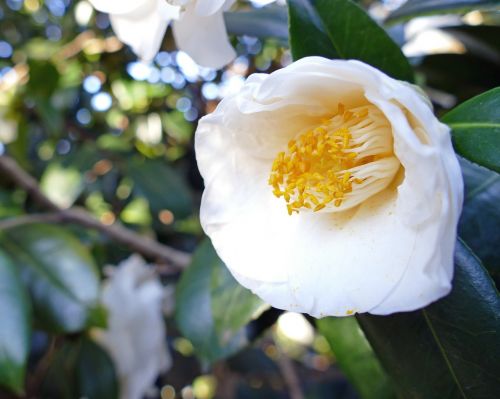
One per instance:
[(117, 232), (290, 377), (20, 178)]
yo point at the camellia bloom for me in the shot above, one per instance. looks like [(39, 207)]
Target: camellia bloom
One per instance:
[(136, 336), (198, 27), (331, 189)]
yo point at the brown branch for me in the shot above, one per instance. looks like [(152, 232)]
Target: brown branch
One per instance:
[(116, 231), (20, 178), (290, 377)]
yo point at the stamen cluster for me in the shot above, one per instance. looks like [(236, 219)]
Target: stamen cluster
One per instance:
[(313, 172)]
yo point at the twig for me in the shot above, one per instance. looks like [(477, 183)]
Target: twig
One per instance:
[(289, 374), (20, 178), (117, 232)]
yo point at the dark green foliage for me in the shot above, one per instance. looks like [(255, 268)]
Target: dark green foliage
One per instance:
[(212, 308), (59, 273), (15, 326), (475, 128), (342, 29), (449, 349)]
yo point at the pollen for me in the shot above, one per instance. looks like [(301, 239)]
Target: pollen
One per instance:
[(325, 166)]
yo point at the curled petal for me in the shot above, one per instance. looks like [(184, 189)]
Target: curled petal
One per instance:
[(204, 38), (144, 32)]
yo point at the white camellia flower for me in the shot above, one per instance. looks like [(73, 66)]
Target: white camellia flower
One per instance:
[(136, 336), (331, 189), (198, 27)]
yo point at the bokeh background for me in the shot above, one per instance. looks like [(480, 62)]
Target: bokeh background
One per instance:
[(99, 130)]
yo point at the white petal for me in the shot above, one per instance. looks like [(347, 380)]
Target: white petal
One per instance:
[(123, 6), (208, 7), (360, 260), (144, 33), (204, 38)]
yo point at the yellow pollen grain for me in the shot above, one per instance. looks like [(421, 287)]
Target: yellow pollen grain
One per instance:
[(312, 172)]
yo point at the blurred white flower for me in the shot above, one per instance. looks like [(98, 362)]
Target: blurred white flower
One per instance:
[(200, 31), (198, 27), (331, 189), (424, 36), (139, 23), (136, 335)]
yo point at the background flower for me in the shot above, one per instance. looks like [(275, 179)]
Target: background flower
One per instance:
[(198, 27), (135, 337), (140, 24), (393, 252)]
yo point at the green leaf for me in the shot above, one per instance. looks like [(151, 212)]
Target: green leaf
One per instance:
[(480, 40), (481, 214), (351, 33), (443, 71), (475, 128), (95, 372), (356, 36), (355, 357), (263, 22), (417, 8), (449, 349), (60, 274), (162, 186), (212, 308), (307, 34), (43, 78), (15, 330), (81, 369)]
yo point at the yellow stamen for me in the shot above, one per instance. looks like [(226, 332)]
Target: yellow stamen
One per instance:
[(312, 172), (321, 166)]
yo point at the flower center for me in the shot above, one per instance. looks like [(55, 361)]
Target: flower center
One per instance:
[(338, 164)]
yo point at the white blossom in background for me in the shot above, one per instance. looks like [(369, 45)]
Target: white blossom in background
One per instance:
[(136, 334), (424, 36), (331, 189), (198, 27)]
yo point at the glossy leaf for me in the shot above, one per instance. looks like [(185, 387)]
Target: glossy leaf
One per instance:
[(449, 349), (263, 22), (81, 369), (212, 308), (443, 71), (59, 272), (481, 214), (480, 40), (475, 128), (355, 357), (161, 186), (356, 35), (15, 329), (351, 32), (417, 8), (95, 373), (308, 35)]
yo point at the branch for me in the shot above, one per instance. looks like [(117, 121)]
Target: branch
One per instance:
[(20, 178), (117, 232), (290, 377)]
